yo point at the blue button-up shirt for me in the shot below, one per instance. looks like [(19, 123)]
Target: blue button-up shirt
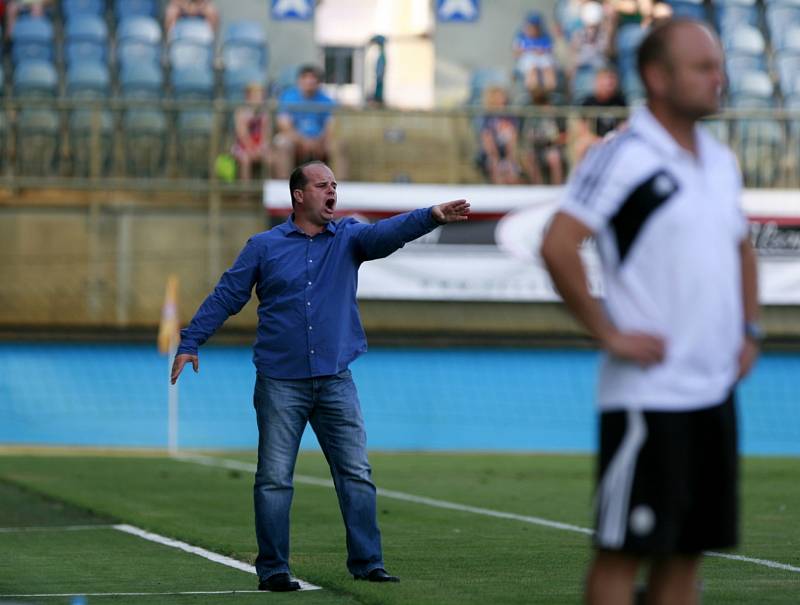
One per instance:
[(308, 321)]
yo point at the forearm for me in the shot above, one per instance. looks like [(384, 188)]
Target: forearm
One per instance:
[(749, 282), (569, 277)]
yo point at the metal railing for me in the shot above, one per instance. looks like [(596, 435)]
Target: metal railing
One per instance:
[(118, 144)]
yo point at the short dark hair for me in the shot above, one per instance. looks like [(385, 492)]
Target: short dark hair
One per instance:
[(298, 179), (655, 46), (310, 68)]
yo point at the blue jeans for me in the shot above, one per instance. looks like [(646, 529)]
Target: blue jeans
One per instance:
[(330, 404)]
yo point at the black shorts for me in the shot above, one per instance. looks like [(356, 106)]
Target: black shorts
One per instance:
[(668, 481)]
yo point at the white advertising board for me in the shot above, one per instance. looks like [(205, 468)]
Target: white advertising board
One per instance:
[(494, 256)]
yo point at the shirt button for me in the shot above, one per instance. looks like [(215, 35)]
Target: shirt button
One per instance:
[(309, 283), (311, 261), (312, 351), (308, 303), (310, 328)]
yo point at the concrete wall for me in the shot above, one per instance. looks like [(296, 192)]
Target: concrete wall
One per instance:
[(290, 42)]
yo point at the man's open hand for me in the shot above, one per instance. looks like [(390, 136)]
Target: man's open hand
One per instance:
[(180, 361), (451, 212)]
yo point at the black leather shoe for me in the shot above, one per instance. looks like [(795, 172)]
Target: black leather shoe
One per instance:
[(279, 582), (378, 575)]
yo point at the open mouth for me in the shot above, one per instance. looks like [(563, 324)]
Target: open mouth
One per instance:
[(330, 204)]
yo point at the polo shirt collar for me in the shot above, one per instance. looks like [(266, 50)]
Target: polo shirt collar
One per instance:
[(289, 227), (648, 127)]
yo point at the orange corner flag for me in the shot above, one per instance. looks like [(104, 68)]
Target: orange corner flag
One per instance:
[(169, 327)]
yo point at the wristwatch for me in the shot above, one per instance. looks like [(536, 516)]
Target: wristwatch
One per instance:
[(754, 331)]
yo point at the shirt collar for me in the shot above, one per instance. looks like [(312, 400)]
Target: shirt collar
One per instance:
[(289, 227), (648, 127)]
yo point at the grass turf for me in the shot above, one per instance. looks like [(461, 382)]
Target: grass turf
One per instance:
[(443, 556)]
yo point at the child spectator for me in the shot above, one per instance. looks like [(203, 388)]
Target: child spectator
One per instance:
[(498, 138), (253, 132), (545, 136)]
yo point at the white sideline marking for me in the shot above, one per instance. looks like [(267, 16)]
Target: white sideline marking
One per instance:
[(201, 552), (244, 466), (125, 594), (14, 530)]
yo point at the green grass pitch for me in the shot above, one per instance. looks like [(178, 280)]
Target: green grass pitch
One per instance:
[(443, 556)]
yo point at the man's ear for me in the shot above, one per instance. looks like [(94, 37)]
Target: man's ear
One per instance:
[(297, 196)]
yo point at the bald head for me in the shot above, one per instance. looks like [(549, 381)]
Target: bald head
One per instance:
[(667, 37), (680, 65)]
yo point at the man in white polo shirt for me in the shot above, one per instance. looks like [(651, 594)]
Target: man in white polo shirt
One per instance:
[(679, 323)]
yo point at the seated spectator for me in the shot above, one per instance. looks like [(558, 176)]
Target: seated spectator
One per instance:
[(305, 126), (15, 8), (253, 132), (590, 43), (606, 94), (498, 138), (533, 54), (180, 9), (545, 140)]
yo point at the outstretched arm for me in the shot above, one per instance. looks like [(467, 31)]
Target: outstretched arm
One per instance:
[(384, 237)]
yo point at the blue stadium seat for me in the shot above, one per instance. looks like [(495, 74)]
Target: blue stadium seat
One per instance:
[(82, 126), (287, 77), (89, 80), (583, 83), (138, 41), (790, 43), (194, 132), (145, 134), (191, 43), (688, 8), (39, 129), (86, 39), (35, 79), (479, 80), (32, 39), (193, 83), (780, 19), (744, 40), (751, 84), (244, 44), (132, 52), (184, 54), (75, 8), (139, 28), (135, 8), (193, 30), (141, 81), (732, 15), (235, 80), (737, 64), (788, 68)]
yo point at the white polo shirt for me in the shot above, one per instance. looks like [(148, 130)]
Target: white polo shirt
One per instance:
[(668, 227)]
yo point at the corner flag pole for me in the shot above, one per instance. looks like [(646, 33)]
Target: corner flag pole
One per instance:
[(168, 339)]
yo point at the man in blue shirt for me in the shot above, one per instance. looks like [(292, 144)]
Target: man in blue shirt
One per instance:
[(305, 126), (305, 273)]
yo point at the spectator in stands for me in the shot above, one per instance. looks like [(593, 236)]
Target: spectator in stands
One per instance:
[(16, 8), (253, 132), (545, 140), (498, 136), (590, 42), (181, 9), (606, 94), (533, 54), (305, 126)]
